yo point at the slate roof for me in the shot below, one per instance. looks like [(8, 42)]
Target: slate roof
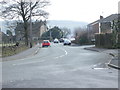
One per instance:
[(107, 19), (110, 18)]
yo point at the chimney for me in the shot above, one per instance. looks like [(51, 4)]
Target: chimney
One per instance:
[(101, 17)]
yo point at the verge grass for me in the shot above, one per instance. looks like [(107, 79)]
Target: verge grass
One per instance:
[(12, 50)]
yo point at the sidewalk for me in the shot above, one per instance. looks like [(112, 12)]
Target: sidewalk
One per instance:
[(29, 52), (115, 53)]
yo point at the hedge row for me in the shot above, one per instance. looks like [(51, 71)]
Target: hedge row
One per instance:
[(107, 40)]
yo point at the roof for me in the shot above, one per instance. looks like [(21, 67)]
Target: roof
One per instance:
[(94, 22), (110, 18), (107, 19)]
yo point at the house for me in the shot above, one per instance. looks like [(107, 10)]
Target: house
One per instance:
[(38, 28), (3, 37), (103, 25)]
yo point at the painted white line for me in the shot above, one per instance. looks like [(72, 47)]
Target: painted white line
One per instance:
[(66, 52), (62, 55), (74, 47), (36, 51), (95, 65), (99, 68)]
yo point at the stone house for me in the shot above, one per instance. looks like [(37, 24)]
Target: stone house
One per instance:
[(38, 28)]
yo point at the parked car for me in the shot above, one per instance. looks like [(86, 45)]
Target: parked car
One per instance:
[(61, 40), (45, 43), (56, 40), (67, 42)]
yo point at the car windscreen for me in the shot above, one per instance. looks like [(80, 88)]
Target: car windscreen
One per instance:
[(45, 42)]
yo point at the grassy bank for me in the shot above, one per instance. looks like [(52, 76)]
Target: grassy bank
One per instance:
[(11, 50)]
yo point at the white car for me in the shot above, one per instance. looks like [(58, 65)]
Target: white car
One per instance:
[(56, 40), (67, 42)]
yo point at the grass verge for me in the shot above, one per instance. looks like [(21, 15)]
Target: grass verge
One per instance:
[(11, 50)]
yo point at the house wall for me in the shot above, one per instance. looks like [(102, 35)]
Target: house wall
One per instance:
[(43, 29), (38, 28), (92, 29), (105, 27), (95, 28)]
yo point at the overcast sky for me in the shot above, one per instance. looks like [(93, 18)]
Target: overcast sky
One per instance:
[(81, 10)]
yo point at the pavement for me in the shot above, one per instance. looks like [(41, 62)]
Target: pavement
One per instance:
[(115, 53), (24, 54)]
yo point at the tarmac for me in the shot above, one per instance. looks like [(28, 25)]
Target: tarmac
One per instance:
[(114, 62), (115, 53)]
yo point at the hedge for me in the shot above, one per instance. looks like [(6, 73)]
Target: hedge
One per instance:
[(107, 40)]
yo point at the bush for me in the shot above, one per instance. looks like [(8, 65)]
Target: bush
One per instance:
[(81, 36)]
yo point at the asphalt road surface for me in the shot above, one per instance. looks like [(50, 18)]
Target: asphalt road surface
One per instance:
[(60, 66)]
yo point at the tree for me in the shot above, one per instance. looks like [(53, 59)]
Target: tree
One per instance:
[(56, 32), (66, 32), (11, 26), (24, 10), (81, 36)]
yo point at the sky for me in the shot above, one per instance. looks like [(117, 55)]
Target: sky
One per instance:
[(81, 10)]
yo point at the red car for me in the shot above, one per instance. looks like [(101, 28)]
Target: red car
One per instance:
[(45, 43)]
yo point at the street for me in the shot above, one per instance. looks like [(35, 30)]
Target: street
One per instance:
[(60, 66)]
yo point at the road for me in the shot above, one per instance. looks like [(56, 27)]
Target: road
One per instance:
[(60, 66)]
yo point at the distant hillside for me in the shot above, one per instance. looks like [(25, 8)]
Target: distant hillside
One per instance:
[(66, 23)]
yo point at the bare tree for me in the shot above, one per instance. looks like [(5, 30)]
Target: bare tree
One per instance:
[(81, 36), (21, 9), (11, 26), (66, 31)]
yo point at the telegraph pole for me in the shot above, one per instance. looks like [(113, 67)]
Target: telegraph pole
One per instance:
[(50, 33), (30, 26)]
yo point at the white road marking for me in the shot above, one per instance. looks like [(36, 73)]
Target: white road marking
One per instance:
[(62, 55), (74, 47), (100, 68), (40, 60)]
